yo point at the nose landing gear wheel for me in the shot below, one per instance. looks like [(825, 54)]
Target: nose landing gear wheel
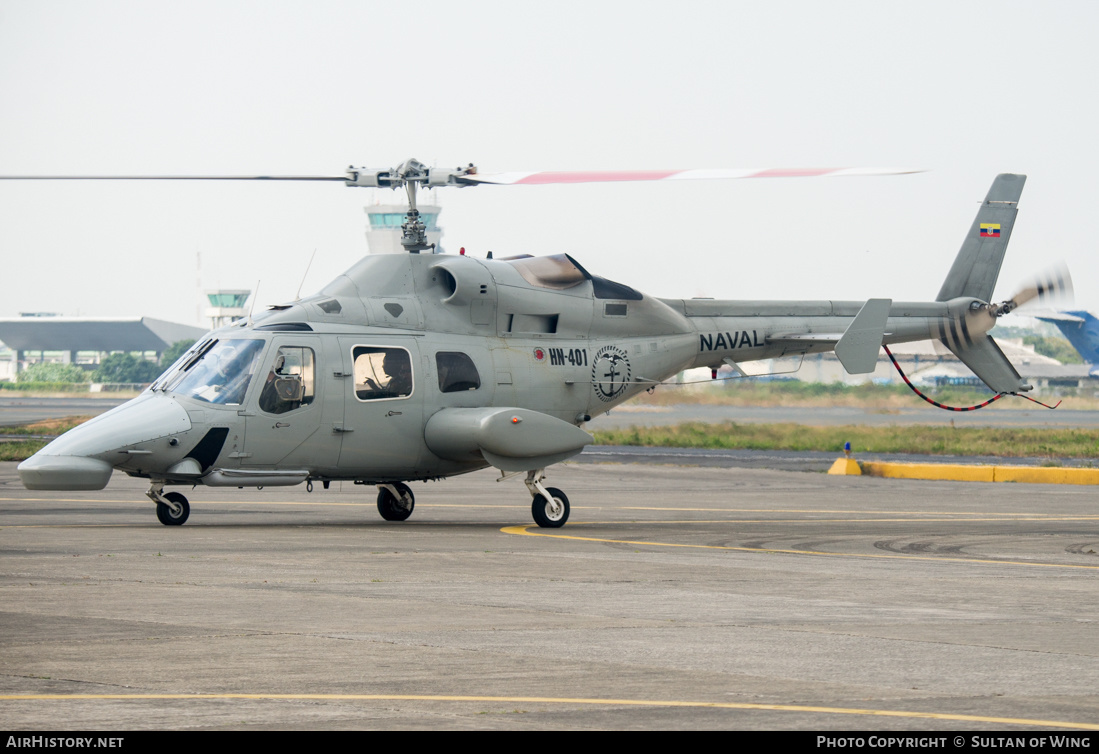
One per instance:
[(395, 507), (552, 513), (167, 516)]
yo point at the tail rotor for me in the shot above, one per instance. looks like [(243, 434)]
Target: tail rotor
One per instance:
[(1052, 285)]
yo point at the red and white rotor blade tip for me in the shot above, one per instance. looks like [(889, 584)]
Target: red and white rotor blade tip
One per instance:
[(703, 174)]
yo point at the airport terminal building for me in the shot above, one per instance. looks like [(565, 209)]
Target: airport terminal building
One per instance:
[(84, 340)]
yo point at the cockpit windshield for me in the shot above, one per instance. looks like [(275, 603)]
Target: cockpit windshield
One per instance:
[(218, 373)]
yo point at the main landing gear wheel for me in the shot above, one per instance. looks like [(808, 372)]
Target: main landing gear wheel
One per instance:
[(551, 513), (167, 516), (395, 507)]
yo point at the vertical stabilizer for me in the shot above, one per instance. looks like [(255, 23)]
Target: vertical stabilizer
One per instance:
[(978, 263), (1081, 329), (985, 359)]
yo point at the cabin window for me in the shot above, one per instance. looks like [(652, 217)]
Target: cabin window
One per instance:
[(382, 373), (533, 323), (290, 384), (457, 372)]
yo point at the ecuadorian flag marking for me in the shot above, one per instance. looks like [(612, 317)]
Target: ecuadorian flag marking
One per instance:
[(990, 230)]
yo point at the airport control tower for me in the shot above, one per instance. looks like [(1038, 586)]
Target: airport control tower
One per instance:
[(384, 234), (226, 306)]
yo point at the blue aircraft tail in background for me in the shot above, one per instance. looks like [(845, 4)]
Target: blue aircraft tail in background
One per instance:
[(1081, 329)]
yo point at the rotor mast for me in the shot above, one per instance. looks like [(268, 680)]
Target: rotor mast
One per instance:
[(413, 231), (410, 174)]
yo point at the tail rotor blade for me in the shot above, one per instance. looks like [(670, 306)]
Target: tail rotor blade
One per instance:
[(1052, 285)]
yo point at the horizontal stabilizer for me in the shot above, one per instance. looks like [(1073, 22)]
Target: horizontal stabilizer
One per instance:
[(858, 349), (985, 359)]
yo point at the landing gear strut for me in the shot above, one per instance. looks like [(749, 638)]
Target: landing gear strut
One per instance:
[(395, 501), (550, 507), (172, 509)]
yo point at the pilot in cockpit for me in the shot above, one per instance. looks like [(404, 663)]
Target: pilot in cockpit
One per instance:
[(232, 372), (269, 398), (398, 368)]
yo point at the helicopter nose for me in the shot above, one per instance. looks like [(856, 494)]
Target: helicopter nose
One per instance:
[(45, 472), (81, 458)]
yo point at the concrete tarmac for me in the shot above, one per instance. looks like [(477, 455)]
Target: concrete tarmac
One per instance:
[(676, 598)]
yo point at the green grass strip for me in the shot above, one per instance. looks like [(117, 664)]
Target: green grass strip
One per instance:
[(20, 451)]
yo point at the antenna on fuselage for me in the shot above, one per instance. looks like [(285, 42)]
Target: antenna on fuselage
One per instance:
[(298, 297), (252, 308)]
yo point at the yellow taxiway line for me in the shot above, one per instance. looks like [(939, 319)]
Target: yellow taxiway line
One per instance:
[(524, 530)]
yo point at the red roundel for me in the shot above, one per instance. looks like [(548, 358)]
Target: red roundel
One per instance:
[(539, 354)]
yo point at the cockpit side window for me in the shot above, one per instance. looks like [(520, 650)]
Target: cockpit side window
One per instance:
[(382, 373), (457, 372), (291, 382), (222, 373)]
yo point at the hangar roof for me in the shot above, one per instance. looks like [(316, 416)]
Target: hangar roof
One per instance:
[(93, 333)]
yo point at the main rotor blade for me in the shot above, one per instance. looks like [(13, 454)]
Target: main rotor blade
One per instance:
[(341, 178), (603, 176), (433, 177)]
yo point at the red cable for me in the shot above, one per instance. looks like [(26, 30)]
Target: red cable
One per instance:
[(996, 397)]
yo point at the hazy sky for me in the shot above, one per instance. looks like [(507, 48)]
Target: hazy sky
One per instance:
[(965, 90)]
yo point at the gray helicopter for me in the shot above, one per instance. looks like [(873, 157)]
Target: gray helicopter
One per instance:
[(421, 366)]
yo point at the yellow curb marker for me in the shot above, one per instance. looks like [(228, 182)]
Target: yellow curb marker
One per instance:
[(965, 473)]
